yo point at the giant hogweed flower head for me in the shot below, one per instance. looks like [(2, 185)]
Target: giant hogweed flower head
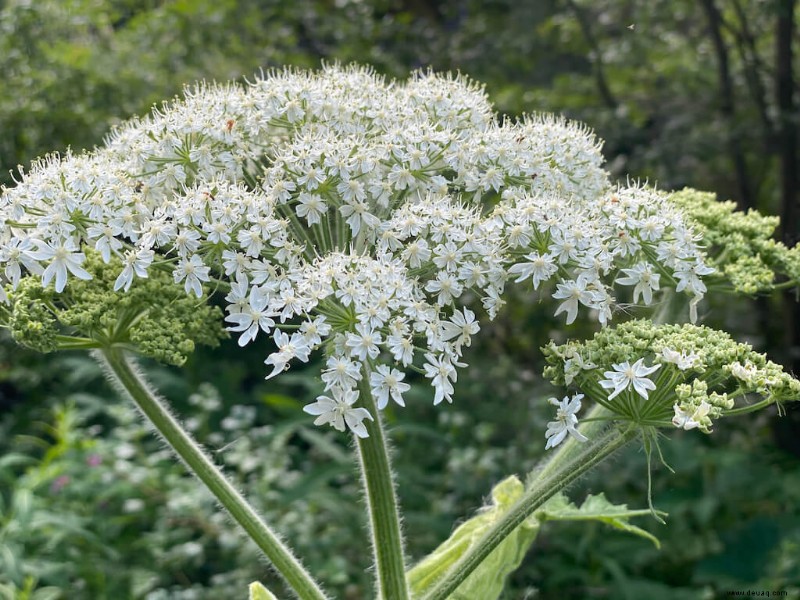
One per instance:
[(339, 211), (684, 376)]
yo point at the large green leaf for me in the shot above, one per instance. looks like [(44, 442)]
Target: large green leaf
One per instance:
[(487, 581), (596, 508)]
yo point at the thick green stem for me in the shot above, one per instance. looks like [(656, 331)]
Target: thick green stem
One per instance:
[(376, 473), (568, 464), (125, 375), (743, 410)]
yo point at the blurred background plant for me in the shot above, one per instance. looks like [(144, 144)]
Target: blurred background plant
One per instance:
[(685, 92)]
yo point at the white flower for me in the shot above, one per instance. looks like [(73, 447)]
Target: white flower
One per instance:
[(192, 273), (385, 383), (65, 257), (624, 375), (338, 411), (365, 343), (136, 263), (645, 280), (746, 372), (106, 242), (441, 371), (446, 286), (680, 359), (253, 317), (235, 263), (540, 268), (574, 365), (400, 177), (288, 348), (688, 275), (401, 347), (341, 372), (447, 256), (461, 326), (311, 206), (686, 420), (573, 292), (15, 255), (566, 421), (416, 253), (314, 331), (187, 241)]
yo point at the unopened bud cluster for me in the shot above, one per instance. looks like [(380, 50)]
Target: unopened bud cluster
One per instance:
[(654, 375), (740, 246)]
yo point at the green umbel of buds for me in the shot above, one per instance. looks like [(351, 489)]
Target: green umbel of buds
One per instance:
[(686, 375), (740, 245), (154, 317)]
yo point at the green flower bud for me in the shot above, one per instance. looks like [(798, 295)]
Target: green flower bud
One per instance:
[(31, 322), (740, 246), (697, 372), (155, 316)]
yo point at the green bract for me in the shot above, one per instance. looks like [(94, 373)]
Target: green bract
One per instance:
[(155, 316)]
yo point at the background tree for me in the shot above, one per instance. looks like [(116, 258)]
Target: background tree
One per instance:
[(685, 92)]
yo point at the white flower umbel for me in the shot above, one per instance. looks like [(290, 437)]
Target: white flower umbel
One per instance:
[(566, 422), (383, 209), (626, 375), (702, 373)]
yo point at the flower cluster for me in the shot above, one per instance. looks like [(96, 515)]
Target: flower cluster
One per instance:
[(740, 246), (684, 375), (167, 329), (339, 211)]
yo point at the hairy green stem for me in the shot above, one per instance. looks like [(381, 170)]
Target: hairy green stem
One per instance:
[(376, 473), (126, 376), (568, 464)]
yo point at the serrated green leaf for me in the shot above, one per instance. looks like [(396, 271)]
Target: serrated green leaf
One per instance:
[(596, 508), (259, 592), (487, 581)]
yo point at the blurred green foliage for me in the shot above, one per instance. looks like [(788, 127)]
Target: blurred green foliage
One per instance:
[(92, 506)]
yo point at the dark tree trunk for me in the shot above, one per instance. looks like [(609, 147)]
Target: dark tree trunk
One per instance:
[(585, 23), (787, 429), (787, 133), (727, 104)]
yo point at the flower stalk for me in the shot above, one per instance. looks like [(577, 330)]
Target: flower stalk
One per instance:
[(124, 374), (385, 532)]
